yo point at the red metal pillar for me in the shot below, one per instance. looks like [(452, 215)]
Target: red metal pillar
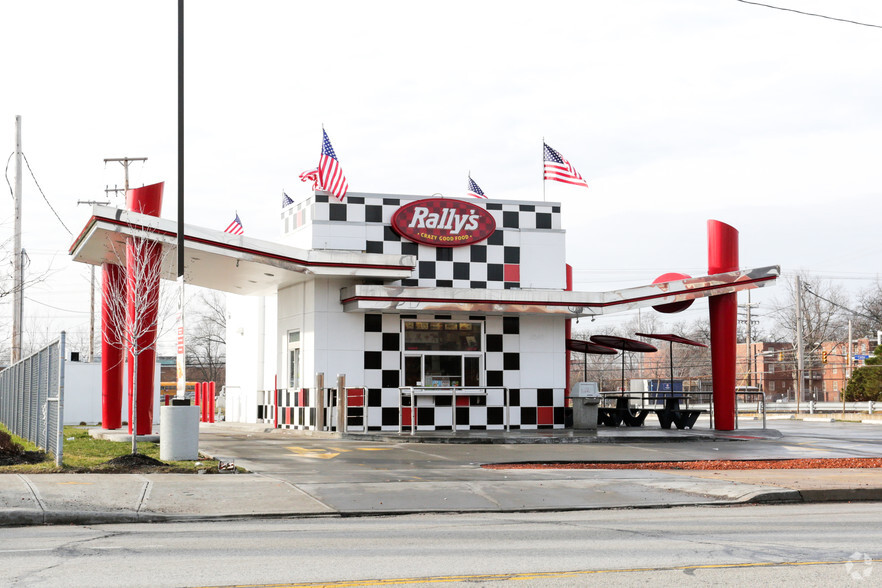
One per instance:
[(144, 287), (112, 284), (211, 392), (722, 256)]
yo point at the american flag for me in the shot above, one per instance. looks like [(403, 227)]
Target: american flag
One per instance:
[(474, 190), (235, 227), (286, 200), (560, 170), (330, 175), (310, 176)]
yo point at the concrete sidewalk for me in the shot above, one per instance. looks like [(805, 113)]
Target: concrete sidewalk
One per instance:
[(299, 476)]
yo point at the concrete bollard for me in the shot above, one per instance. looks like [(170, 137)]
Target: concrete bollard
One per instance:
[(178, 433)]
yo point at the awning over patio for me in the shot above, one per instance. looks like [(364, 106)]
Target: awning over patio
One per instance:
[(407, 300)]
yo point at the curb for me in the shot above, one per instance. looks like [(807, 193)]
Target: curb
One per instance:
[(33, 517)]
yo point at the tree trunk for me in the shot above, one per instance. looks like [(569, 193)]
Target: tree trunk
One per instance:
[(135, 405)]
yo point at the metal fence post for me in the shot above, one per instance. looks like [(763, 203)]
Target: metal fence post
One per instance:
[(341, 403), (59, 452), (319, 401)]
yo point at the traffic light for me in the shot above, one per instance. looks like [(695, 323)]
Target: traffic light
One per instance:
[(823, 357), (780, 356)]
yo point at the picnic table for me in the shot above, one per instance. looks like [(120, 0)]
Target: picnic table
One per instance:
[(670, 412)]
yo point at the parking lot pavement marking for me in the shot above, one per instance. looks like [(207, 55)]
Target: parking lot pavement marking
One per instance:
[(312, 453), (329, 452)]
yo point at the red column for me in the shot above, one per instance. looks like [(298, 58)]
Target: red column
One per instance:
[(143, 287), (211, 402), (722, 256), (112, 284)]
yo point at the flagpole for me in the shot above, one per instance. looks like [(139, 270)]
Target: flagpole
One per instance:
[(543, 169)]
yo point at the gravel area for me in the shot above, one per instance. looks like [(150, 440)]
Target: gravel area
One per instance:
[(721, 464)]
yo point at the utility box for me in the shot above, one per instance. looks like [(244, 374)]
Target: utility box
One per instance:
[(586, 398)]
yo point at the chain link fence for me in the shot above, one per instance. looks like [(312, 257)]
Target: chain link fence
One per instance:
[(32, 398)]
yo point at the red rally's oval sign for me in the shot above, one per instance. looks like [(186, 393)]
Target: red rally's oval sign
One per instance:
[(441, 222)]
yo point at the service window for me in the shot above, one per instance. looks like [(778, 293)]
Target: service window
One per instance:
[(443, 353)]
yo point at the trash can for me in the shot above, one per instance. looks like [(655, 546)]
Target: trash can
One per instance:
[(585, 397)]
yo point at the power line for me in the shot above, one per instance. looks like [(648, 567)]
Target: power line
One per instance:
[(55, 307), (863, 24), (44, 195), (6, 175), (836, 304)]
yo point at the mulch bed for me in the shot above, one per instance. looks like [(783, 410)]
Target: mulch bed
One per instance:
[(716, 464), (12, 453)]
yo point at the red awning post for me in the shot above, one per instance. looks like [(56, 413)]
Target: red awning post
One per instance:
[(722, 256), (143, 289), (113, 282)]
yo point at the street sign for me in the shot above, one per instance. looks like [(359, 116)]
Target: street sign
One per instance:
[(862, 357)]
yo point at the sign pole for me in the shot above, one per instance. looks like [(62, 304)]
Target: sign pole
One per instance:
[(181, 355)]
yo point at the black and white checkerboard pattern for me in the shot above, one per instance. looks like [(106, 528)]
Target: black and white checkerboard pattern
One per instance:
[(530, 408), (493, 263), (297, 409)]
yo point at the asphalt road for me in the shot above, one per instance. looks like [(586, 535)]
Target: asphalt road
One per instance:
[(808, 545)]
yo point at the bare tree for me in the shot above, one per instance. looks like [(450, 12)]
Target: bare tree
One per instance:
[(7, 284), (206, 344), (824, 318), (137, 320), (868, 318), (824, 313)]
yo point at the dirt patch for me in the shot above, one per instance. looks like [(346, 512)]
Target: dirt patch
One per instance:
[(11, 453), (133, 462), (722, 464)]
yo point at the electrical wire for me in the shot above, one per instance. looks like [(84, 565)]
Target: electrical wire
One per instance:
[(806, 288), (6, 175), (44, 196), (863, 24), (55, 307)]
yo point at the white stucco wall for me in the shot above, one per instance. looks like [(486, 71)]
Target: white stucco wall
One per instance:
[(82, 394)]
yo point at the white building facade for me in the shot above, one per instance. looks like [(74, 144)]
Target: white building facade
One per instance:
[(507, 367)]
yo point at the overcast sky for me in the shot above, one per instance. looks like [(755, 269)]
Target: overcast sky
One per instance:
[(675, 112)]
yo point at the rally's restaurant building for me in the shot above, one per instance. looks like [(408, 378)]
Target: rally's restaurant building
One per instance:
[(461, 307)]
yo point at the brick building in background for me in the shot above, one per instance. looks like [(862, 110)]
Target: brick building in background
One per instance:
[(772, 368)]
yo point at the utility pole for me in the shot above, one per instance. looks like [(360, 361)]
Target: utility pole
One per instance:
[(17, 294), (800, 384), (750, 357), (125, 161), (92, 293)]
